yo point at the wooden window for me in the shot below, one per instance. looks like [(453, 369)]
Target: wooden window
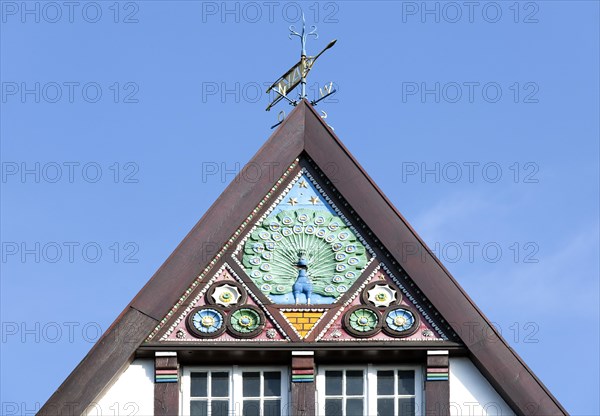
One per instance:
[(226, 391), (369, 390)]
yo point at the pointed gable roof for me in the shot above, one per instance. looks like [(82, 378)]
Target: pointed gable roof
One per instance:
[(302, 134)]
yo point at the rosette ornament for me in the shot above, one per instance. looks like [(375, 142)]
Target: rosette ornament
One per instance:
[(381, 295), (362, 321), (206, 322), (400, 322), (226, 295), (246, 321)]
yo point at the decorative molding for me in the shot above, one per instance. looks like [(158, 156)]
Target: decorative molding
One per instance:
[(437, 365), (303, 367), (414, 301), (194, 301)]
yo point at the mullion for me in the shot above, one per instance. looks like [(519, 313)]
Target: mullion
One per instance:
[(344, 397), (396, 385), (261, 391)]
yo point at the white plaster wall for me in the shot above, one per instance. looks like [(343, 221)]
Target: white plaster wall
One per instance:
[(471, 394), (132, 394)]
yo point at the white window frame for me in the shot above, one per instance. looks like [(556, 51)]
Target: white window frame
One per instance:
[(235, 386), (370, 386)]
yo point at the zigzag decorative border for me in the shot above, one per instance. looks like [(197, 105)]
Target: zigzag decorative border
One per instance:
[(414, 302), (192, 303), (197, 281), (203, 291)]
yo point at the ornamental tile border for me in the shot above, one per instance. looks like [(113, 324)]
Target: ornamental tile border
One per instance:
[(191, 305), (414, 301), (197, 281), (187, 310)]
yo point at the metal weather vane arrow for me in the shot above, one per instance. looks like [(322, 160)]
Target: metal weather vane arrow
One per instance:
[(297, 74)]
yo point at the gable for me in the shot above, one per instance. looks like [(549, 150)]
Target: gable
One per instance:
[(392, 248)]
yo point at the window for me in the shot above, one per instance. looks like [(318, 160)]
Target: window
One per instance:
[(369, 390), (395, 392), (344, 392), (235, 391)]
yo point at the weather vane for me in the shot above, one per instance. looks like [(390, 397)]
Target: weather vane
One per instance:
[(297, 74)]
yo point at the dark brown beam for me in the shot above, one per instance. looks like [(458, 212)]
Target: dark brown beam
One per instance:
[(166, 384), (437, 385)]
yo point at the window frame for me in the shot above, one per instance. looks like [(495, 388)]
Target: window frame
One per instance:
[(235, 386), (370, 386)]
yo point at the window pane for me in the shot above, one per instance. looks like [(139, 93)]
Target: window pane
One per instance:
[(219, 384), (219, 408), (272, 380), (354, 383), (385, 383), (354, 407), (198, 408), (406, 407), (385, 407), (198, 385), (251, 384), (333, 383), (333, 407), (406, 382), (251, 407), (272, 408)]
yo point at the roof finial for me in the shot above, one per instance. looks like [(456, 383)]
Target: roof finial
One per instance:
[(303, 36), (297, 74)]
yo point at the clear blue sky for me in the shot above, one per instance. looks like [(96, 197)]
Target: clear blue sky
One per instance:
[(500, 101)]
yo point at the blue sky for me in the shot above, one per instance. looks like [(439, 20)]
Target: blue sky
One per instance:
[(480, 124)]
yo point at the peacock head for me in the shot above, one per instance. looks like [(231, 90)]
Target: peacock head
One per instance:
[(302, 261)]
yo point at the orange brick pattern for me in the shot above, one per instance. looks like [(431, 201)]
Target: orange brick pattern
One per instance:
[(303, 321)]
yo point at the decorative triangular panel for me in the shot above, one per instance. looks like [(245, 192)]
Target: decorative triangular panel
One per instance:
[(382, 309), (225, 309), (303, 321), (303, 225)]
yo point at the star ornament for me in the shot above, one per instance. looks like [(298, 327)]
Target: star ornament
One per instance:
[(226, 295), (303, 184), (293, 201), (314, 200), (382, 295)]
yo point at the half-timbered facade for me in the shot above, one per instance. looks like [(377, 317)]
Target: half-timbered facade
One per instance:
[(303, 292)]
